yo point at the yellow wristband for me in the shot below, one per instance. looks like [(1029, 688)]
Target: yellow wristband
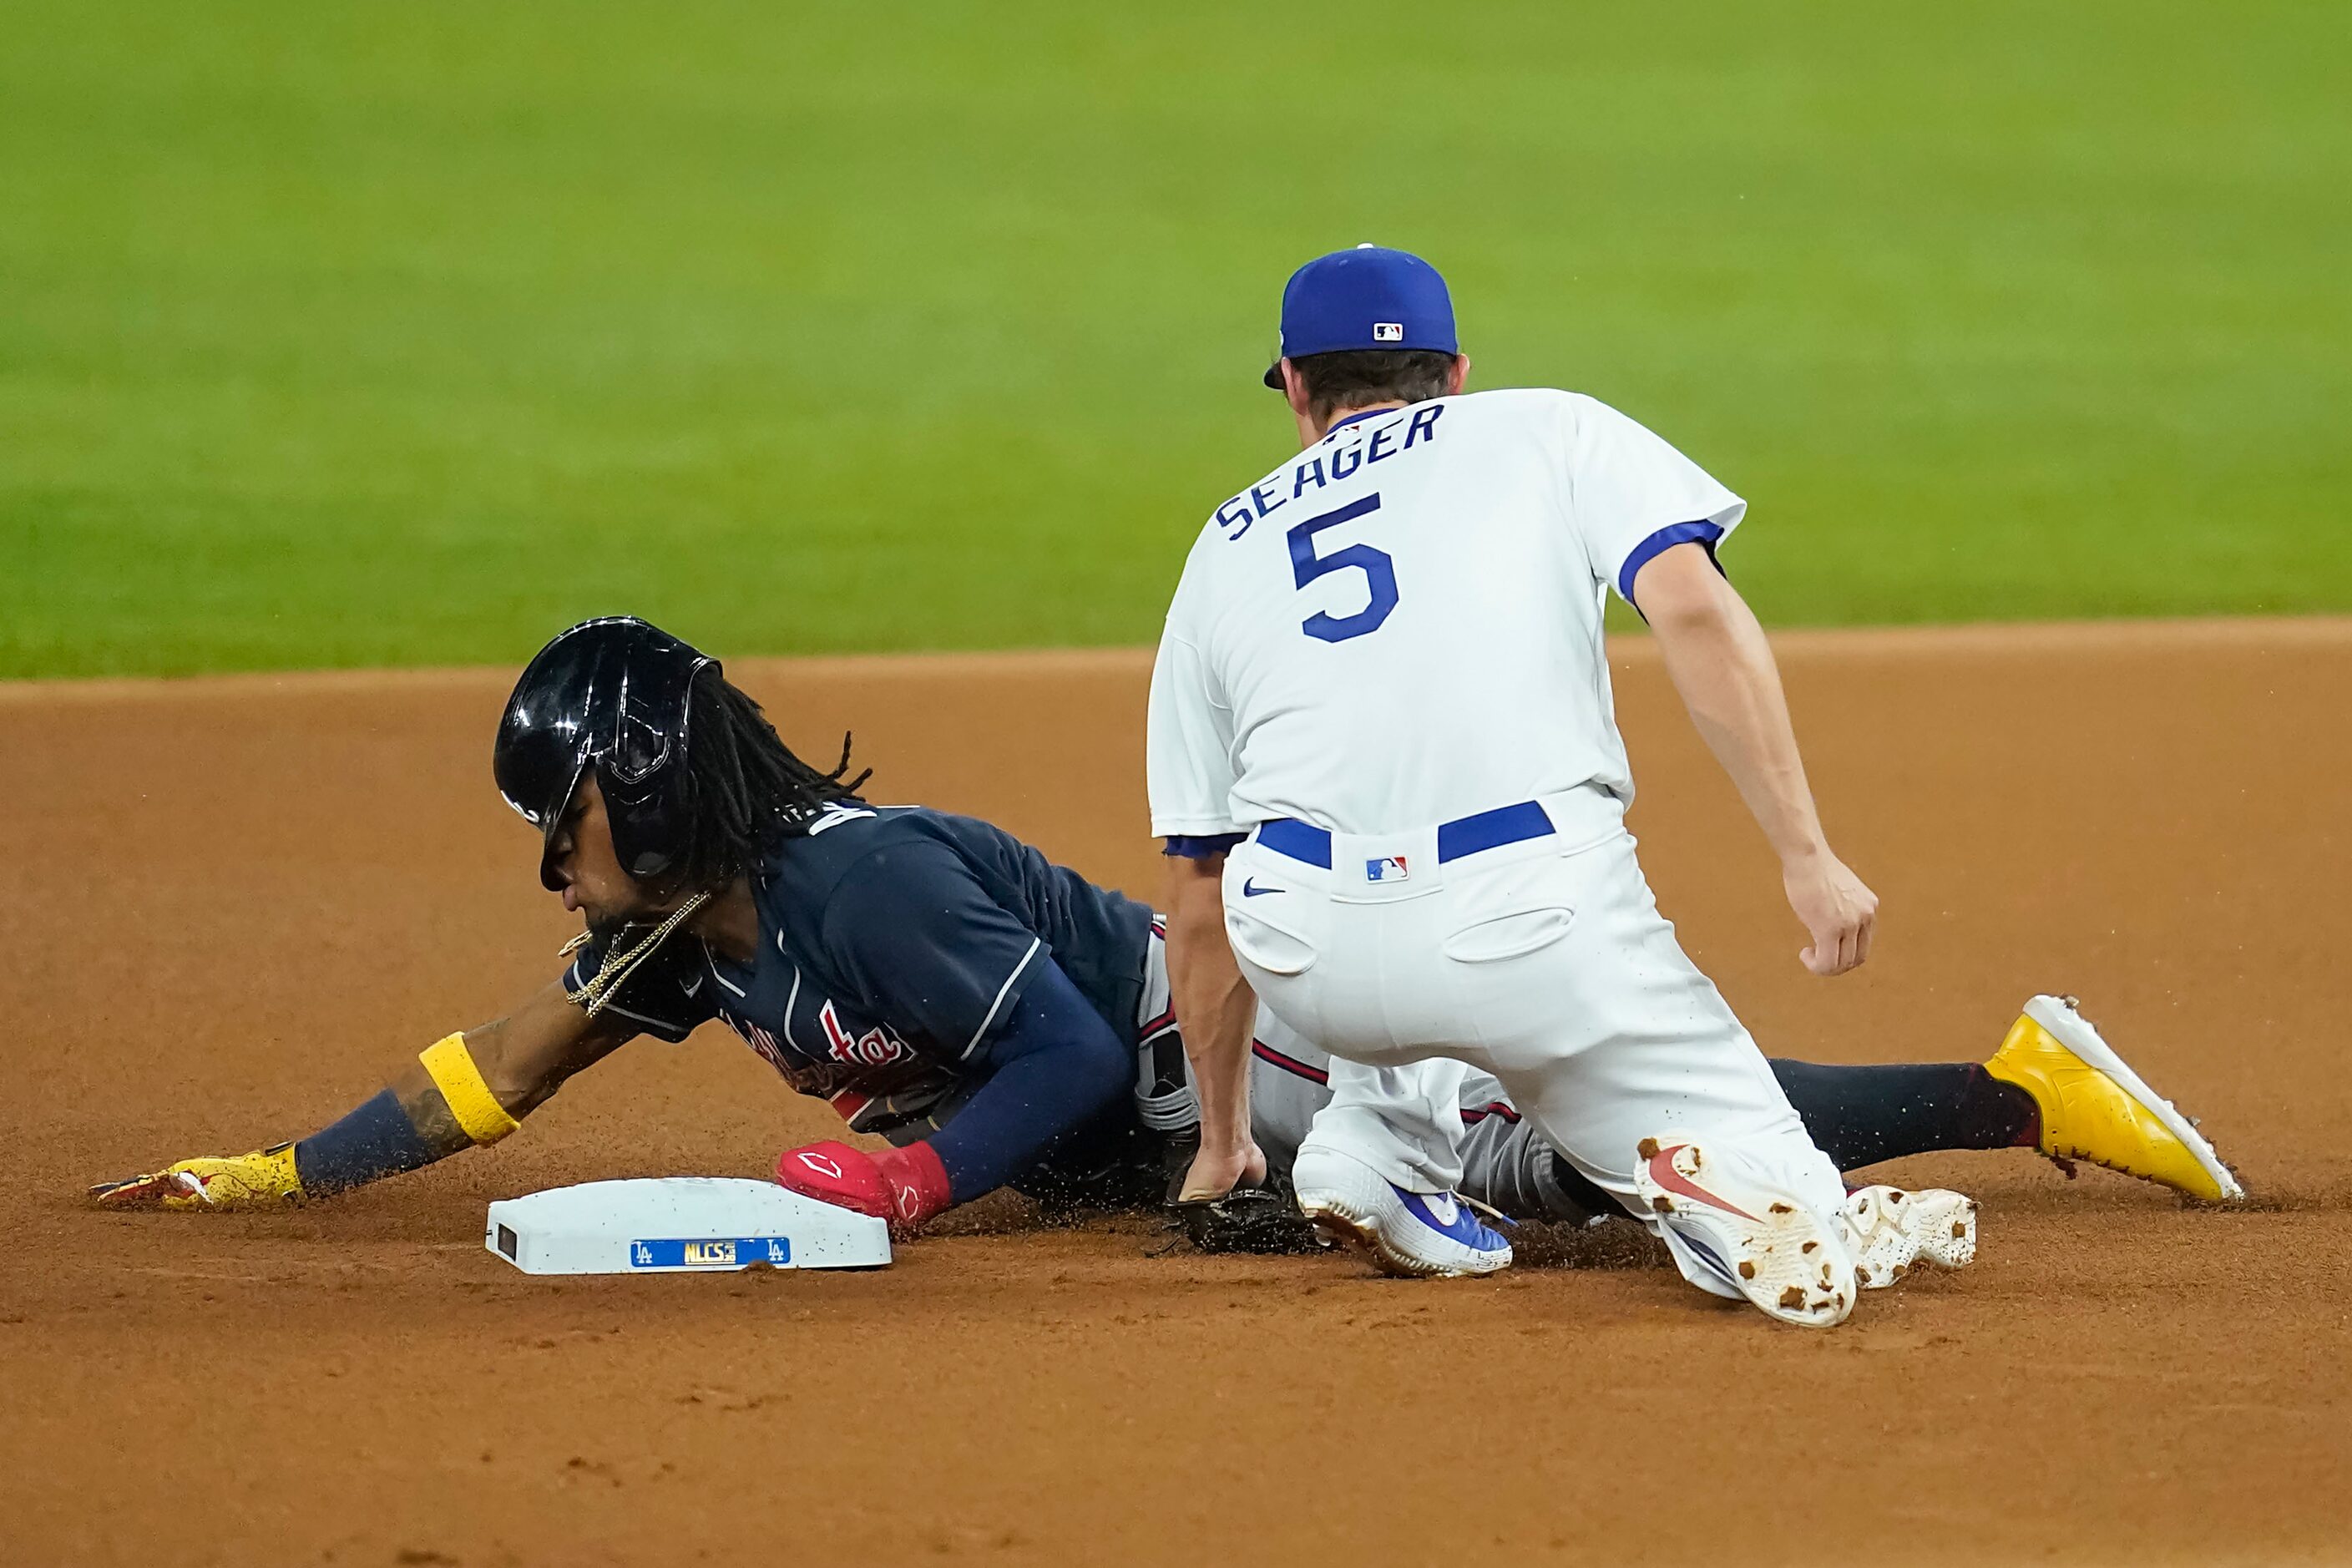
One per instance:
[(451, 1068)]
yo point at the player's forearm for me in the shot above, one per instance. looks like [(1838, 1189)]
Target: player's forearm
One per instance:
[(441, 1105), (1214, 1006), (462, 1091), (1722, 667)]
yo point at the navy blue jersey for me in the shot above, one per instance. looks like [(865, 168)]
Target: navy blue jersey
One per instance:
[(894, 940)]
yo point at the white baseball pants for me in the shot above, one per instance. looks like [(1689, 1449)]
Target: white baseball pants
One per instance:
[(1544, 963)]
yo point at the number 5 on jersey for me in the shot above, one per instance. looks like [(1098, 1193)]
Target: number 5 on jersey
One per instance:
[(1377, 567)]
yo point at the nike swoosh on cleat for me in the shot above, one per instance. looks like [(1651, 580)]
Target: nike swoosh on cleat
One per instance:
[(1663, 1172), (1460, 1225), (1250, 889)]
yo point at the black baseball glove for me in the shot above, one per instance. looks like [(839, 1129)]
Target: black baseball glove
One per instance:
[(1262, 1220)]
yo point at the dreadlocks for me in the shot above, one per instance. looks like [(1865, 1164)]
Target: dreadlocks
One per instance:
[(745, 788)]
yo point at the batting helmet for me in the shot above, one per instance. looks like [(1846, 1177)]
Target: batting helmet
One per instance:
[(609, 694)]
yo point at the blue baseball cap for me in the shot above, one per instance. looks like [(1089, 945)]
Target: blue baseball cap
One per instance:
[(1367, 297)]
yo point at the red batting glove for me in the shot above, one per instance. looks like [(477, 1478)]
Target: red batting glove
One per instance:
[(905, 1186)]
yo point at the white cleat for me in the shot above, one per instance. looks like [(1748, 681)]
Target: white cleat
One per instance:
[(1421, 1235), (1891, 1230), (1760, 1241)]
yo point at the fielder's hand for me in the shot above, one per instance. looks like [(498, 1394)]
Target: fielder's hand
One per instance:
[(1840, 912), (263, 1179), (1214, 1173)]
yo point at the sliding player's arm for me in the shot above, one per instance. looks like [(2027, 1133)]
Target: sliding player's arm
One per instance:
[(462, 1091), (921, 943)]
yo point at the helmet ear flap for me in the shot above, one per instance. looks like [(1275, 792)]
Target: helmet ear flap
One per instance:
[(639, 749), (653, 715), (649, 793), (652, 822)]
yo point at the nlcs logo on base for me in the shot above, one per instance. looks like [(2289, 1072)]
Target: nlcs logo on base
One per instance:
[(717, 1252)]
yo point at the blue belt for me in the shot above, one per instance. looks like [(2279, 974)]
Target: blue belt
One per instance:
[(1464, 835)]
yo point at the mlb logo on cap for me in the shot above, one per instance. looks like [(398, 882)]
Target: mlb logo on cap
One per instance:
[(1367, 297)]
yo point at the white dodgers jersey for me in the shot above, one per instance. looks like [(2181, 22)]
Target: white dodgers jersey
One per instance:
[(1402, 626)]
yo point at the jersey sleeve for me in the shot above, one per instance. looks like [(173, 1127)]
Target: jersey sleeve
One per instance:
[(667, 996), (1632, 496), (928, 949), (1188, 744)]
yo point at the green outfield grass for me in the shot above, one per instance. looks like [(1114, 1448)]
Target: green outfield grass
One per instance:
[(340, 334)]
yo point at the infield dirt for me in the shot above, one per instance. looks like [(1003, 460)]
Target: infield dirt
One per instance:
[(233, 906)]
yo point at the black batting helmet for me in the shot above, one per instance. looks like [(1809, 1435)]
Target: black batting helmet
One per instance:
[(609, 694)]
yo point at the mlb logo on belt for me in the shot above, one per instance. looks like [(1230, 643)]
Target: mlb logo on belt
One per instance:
[(1387, 868)]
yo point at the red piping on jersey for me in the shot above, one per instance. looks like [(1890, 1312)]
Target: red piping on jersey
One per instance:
[(1267, 1054)]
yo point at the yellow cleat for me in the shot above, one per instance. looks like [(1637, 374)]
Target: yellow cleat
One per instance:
[(2095, 1108)]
